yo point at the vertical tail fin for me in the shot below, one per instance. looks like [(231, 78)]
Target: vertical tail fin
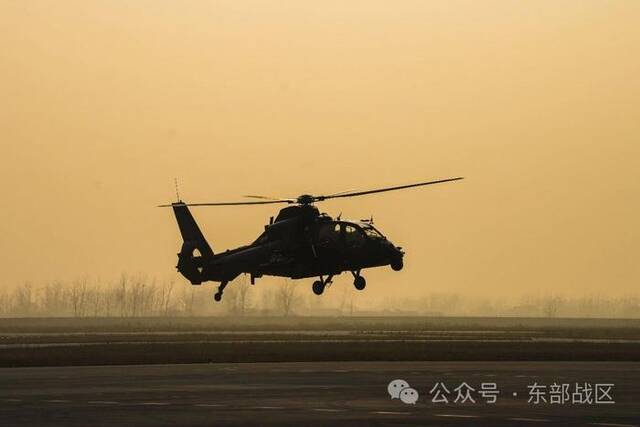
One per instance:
[(195, 248), (189, 229)]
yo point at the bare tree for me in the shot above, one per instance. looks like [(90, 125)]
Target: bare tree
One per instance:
[(551, 306), (164, 299), (121, 295), (23, 299), (264, 301), (346, 303), (187, 299), (147, 297), (53, 299), (78, 296), (243, 296), (137, 294), (95, 296), (109, 299), (237, 297), (286, 297), (5, 303)]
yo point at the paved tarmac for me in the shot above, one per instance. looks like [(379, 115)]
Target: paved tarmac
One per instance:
[(320, 394)]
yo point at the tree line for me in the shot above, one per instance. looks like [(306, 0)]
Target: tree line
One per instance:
[(138, 295), (142, 296)]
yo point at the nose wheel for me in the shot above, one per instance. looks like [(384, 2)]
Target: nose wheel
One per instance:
[(397, 264), (359, 282)]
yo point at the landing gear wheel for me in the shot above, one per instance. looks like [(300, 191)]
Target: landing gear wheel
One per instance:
[(218, 295), (318, 287), (397, 265), (359, 282)]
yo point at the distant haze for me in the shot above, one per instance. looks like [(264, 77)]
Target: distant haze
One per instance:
[(536, 103)]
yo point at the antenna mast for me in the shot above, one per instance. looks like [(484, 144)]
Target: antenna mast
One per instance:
[(177, 192)]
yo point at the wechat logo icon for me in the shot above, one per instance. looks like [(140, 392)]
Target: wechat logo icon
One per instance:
[(400, 389)]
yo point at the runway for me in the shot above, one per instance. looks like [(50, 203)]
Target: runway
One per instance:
[(316, 393)]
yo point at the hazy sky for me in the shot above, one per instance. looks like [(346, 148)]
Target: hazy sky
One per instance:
[(537, 103)]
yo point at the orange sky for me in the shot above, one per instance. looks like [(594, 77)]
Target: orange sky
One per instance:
[(536, 103)]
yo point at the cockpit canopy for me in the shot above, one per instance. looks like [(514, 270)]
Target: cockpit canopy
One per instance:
[(371, 231), (353, 233)]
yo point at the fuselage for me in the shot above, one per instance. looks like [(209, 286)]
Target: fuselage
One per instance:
[(302, 243)]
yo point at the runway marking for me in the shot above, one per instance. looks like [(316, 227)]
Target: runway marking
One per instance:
[(328, 410), (57, 401), (267, 407), (210, 405), (102, 402), (456, 416), (532, 420), (613, 425), (155, 403), (390, 413), (12, 400)]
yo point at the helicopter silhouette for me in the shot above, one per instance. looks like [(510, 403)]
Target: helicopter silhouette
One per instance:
[(299, 243)]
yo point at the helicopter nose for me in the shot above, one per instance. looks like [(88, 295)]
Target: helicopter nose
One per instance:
[(396, 255), (393, 251)]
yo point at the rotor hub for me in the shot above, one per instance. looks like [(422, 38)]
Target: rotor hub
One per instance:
[(306, 199)]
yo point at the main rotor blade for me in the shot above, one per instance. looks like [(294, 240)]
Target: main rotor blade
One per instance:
[(382, 190), (279, 199), (269, 202), (340, 192)]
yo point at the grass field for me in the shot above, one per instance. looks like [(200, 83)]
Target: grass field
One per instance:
[(93, 341), (248, 323)]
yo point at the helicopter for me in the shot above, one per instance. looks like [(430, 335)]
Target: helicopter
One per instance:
[(301, 242)]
